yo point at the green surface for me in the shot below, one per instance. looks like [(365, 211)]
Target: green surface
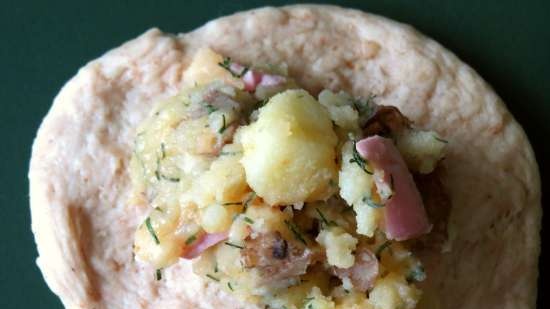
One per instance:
[(43, 44)]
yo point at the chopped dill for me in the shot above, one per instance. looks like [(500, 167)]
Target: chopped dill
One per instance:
[(224, 125), (191, 239), (233, 245), (307, 302), (382, 247), (158, 174), (210, 108), (162, 151), (171, 179), (357, 159), (248, 220), (151, 230), (230, 286), (371, 203), (417, 274), (364, 106), (294, 229), (229, 153), (324, 219), (158, 274), (263, 102), (226, 64), (232, 203), (157, 170), (212, 277), (439, 139), (248, 200)]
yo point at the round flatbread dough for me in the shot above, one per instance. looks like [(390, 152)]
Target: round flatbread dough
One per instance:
[(79, 183)]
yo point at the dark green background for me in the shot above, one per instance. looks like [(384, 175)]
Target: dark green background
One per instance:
[(43, 43)]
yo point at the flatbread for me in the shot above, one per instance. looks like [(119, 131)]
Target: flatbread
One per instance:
[(79, 183)]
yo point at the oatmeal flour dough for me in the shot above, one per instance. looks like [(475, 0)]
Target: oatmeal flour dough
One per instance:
[(79, 182)]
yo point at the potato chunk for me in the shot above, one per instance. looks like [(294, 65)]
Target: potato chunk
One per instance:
[(422, 150), (393, 292), (339, 246), (340, 109), (289, 151), (317, 300), (205, 68), (164, 253), (356, 186), (223, 182), (216, 218)]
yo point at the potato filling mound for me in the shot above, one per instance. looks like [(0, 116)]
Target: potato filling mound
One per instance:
[(282, 198)]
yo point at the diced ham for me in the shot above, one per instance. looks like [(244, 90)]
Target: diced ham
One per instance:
[(237, 68), (364, 271), (251, 80), (405, 216), (213, 99), (275, 257), (269, 80), (204, 242)]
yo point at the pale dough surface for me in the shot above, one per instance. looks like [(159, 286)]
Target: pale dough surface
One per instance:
[(79, 182)]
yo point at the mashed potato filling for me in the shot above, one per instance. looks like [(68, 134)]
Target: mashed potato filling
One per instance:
[(260, 184)]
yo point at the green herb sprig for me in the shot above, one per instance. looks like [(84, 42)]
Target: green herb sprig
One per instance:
[(210, 109), (229, 153), (364, 107), (224, 125), (158, 174), (417, 274), (307, 302), (234, 245), (226, 64), (357, 159), (151, 230), (263, 102), (382, 247), (171, 179), (371, 203), (248, 220), (439, 139), (232, 203), (296, 231), (324, 219), (250, 198), (163, 150), (191, 239)]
